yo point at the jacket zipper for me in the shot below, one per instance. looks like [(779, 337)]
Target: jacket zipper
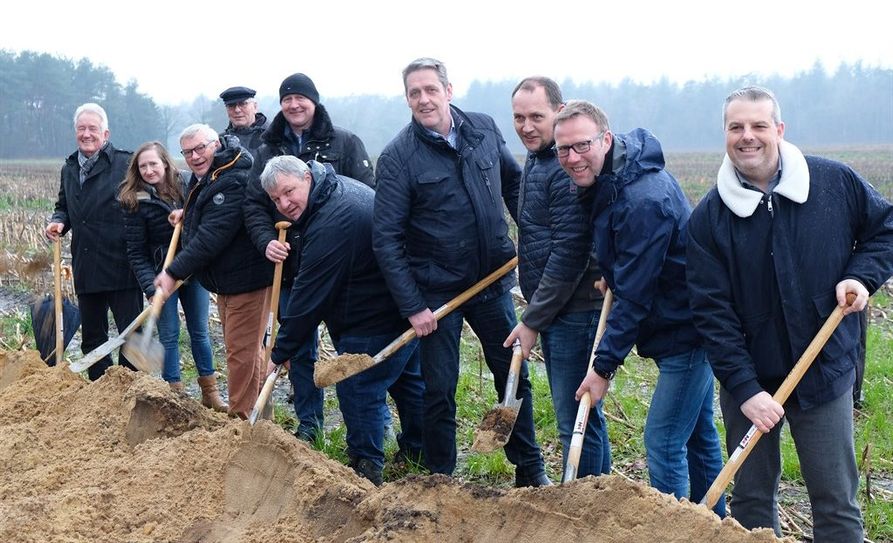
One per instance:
[(769, 205)]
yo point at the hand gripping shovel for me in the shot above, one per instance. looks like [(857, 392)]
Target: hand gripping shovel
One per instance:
[(144, 351), (750, 439), (263, 407), (576, 446), (341, 367), (496, 427)]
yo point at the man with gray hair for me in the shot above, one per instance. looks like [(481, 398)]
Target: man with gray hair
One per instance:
[(337, 280), (245, 121), (216, 250), (803, 232), (443, 184), (88, 206)]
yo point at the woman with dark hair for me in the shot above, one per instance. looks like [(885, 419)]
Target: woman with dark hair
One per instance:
[(152, 188)]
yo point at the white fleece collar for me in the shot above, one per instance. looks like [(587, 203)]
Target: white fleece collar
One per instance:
[(793, 185)]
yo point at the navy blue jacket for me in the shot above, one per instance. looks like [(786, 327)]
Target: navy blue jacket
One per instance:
[(215, 243), (250, 136), (762, 281), (439, 214), (338, 280), (640, 217), (555, 270), (93, 215)]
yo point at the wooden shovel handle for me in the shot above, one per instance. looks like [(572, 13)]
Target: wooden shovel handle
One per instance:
[(57, 294), (579, 433), (781, 395), (270, 333), (511, 383), (448, 307), (160, 297)]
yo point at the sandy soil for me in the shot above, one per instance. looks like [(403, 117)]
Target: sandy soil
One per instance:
[(125, 459)]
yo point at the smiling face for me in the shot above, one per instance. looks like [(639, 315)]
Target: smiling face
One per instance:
[(199, 153), (752, 139), (89, 133), (291, 194), (243, 113), (298, 110), (150, 166), (429, 100), (533, 116), (579, 132)]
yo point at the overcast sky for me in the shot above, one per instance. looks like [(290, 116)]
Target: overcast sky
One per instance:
[(178, 50)]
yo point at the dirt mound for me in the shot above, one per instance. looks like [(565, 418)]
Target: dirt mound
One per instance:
[(126, 459)]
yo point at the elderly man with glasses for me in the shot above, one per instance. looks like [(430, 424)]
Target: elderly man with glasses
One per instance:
[(640, 216), (245, 121), (217, 251)]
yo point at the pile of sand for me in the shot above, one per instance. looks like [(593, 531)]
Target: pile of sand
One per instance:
[(125, 459)]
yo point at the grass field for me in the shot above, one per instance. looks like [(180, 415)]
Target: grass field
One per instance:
[(28, 190)]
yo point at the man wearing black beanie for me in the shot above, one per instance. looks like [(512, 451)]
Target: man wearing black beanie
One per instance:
[(302, 129)]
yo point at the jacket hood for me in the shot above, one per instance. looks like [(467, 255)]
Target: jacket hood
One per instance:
[(320, 190), (793, 185), (643, 154), (320, 129), (230, 155)]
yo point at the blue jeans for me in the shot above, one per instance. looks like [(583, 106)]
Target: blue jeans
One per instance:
[(567, 344), (308, 400), (362, 398), (492, 320), (681, 442), (195, 301)]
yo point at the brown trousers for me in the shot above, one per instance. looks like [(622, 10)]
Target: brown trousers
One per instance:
[(244, 317)]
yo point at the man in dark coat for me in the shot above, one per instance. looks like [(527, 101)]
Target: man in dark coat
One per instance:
[(216, 249), (245, 121), (339, 282), (439, 229), (555, 270), (304, 130), (773, 248), (639, 222), (87, 205)]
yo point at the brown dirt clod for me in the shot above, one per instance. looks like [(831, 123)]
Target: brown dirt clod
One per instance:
[(333, 370), (495, 429)]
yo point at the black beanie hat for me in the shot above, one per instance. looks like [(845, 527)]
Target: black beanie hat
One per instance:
[(299, 84)]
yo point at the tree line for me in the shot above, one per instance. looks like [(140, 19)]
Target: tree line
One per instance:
[(851, 106)]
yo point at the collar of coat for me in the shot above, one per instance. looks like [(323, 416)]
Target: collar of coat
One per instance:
[(793, 185)]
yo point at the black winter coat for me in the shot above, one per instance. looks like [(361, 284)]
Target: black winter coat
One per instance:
[(148, 234), (556, 269), (439, 214), (338, 280), (762, 279), (250, 137), (216, 248), (93, 214)]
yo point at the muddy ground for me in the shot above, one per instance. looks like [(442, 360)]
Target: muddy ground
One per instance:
[(125, 459)]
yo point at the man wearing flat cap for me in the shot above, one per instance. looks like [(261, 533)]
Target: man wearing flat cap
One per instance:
[(302, 129), (245, 121)]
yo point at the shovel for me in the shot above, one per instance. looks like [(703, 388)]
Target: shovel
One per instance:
[(57, 292), (341, 367), (263, 407), (750, 439), (579, 434), (143, 351), (496, 427)]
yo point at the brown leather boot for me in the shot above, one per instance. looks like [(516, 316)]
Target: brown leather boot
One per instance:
[(210, 395), (176, 387)]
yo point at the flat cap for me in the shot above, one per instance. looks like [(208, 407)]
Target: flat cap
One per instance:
[(234, 95)]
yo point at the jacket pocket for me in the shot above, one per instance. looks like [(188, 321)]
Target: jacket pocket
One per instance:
[(764, 336), (844, 340)]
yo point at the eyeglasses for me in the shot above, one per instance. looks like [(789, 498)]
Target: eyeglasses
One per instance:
[(197, 149), (580, 147), (243, 104)]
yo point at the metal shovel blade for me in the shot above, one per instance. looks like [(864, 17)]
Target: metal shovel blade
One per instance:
[(496, 428), (145, 354)]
